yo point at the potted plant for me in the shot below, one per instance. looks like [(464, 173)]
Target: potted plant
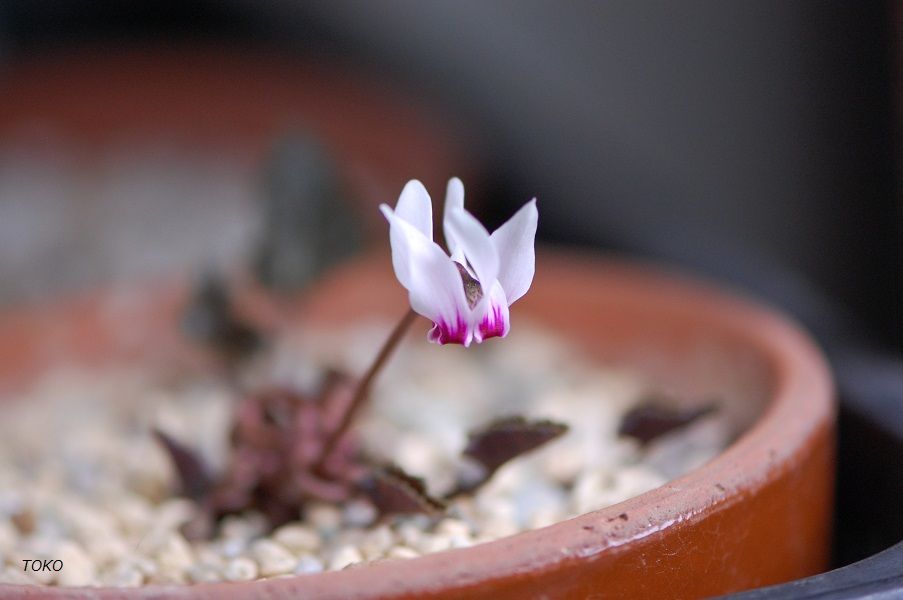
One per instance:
[(757, 514)]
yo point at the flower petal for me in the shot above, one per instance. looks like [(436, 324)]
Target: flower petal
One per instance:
[(454, 201), (466, 234), (514, 244), (416, 207), (433, 282)]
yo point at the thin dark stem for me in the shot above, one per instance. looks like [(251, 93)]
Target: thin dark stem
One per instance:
[(362, 391)]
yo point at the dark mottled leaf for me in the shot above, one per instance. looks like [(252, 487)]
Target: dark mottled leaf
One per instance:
[(508, 438), (392, 491), (194, 478), (308, 224), (652, 420), (210, 319)]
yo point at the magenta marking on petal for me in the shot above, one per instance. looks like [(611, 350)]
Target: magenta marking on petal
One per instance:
[(493, 324), (444, 333)]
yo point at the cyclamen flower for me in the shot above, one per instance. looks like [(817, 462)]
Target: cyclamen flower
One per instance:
[(467, 294)]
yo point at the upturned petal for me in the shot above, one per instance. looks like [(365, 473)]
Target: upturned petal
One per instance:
[(454, 201), (514, 243), (416, 207), (431, 278)]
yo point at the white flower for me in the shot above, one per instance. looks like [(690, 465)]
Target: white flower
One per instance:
[(465, 295)]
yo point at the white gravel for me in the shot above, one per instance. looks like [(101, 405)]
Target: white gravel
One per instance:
[(82, 480)]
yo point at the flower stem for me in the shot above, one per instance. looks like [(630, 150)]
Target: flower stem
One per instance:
[(362, 391)]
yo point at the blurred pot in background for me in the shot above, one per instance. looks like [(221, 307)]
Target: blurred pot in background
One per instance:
[(141, 161)]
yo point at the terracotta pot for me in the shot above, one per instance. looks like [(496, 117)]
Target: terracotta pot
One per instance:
[(758, 514)]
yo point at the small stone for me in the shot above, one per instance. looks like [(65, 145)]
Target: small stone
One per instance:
[(455, 532), (240, 569), (133, 514), (433, 543), (453, 527), (344, 556), (633, 481), (124, 577), (565, 464), (460, 541), (410, 534), (298, 538), (232, 547), (543, 517), (174, 513), (203, 574), (244, 527), (377, 542), (326, 518), (145, 566), (308, 564), (8, 535), (358, 513), (105, 548), (273, 558), (591, 491), (207, 554), (498, 527), (41, 576), (78, 568), (400, 552), (15, 576), (173, 558)]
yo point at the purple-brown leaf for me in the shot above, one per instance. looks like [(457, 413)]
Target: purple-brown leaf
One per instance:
[(652, 420), (508, 438), (392, 491), (194, 477)]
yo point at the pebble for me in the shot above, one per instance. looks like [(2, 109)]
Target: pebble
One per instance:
[(240, 569), (433, 543), (308, 564), (15, 576), (273, 558), (410, 534), (402, 552), (453, 527), (358, 513), (324, 517), (126, 578), (78, 568), (174, 513), (203, 574), (232, 547), (298, 538), (173, 558), (376, 542), (133, 514), (8, 535), (343, 557)]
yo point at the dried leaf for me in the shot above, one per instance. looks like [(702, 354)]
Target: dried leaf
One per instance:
[(194, 478), (392, 491), (652, 420), (508, 438)]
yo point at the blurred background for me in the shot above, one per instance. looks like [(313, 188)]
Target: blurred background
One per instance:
[(754, 143)]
